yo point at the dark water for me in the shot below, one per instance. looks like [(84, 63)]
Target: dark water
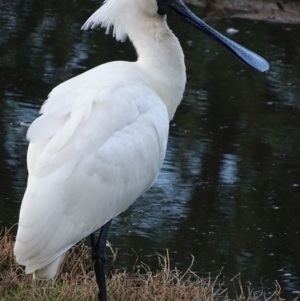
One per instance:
[(228, 192)]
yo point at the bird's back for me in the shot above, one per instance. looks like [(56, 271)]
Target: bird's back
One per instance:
[(98, 145)]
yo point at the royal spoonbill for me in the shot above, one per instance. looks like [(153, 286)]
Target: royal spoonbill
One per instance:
[(101, 138)]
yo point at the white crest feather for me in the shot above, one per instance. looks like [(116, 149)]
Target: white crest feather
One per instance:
[(108, 16)]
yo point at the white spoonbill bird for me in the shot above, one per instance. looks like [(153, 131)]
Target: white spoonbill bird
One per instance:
[(101, 138)]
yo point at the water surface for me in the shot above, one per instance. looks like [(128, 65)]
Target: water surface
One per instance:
[(228, 192)]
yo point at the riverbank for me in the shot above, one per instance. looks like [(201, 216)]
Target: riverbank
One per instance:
[(272, 11), (76, 282)]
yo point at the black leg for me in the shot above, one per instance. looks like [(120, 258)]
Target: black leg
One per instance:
[(99, 258)]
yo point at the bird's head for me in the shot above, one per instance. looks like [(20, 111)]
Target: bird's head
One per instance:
[(116, 13), (163, 7)]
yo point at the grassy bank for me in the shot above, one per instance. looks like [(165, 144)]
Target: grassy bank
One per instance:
[(282, 11), (75, 282)]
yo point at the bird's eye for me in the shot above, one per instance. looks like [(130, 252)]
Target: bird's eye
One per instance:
[(163, 6)]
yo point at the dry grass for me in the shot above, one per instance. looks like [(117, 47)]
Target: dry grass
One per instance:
[(75, 282)]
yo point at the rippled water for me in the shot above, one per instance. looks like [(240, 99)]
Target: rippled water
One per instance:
[(228, 192)]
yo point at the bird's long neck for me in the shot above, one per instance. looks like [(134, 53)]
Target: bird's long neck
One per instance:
[(161, 57)]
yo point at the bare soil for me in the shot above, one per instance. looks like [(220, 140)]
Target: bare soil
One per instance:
[(274, 11)]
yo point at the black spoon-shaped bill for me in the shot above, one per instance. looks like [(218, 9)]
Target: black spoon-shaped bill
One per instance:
[(247, 56)]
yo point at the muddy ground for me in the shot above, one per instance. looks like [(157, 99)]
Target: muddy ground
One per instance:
[(283, 11)]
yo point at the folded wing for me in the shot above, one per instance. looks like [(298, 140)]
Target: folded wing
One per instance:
[(89, 158)]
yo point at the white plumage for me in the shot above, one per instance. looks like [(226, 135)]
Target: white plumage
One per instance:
[(101, 139), (102, 136)]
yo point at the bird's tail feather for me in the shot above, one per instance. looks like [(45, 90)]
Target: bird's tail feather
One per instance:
[(50, 270)]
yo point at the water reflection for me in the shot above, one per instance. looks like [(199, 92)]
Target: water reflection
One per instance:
[(228, 192), (229, 169)]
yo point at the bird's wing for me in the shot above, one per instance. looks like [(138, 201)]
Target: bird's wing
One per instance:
[(87, 163)]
